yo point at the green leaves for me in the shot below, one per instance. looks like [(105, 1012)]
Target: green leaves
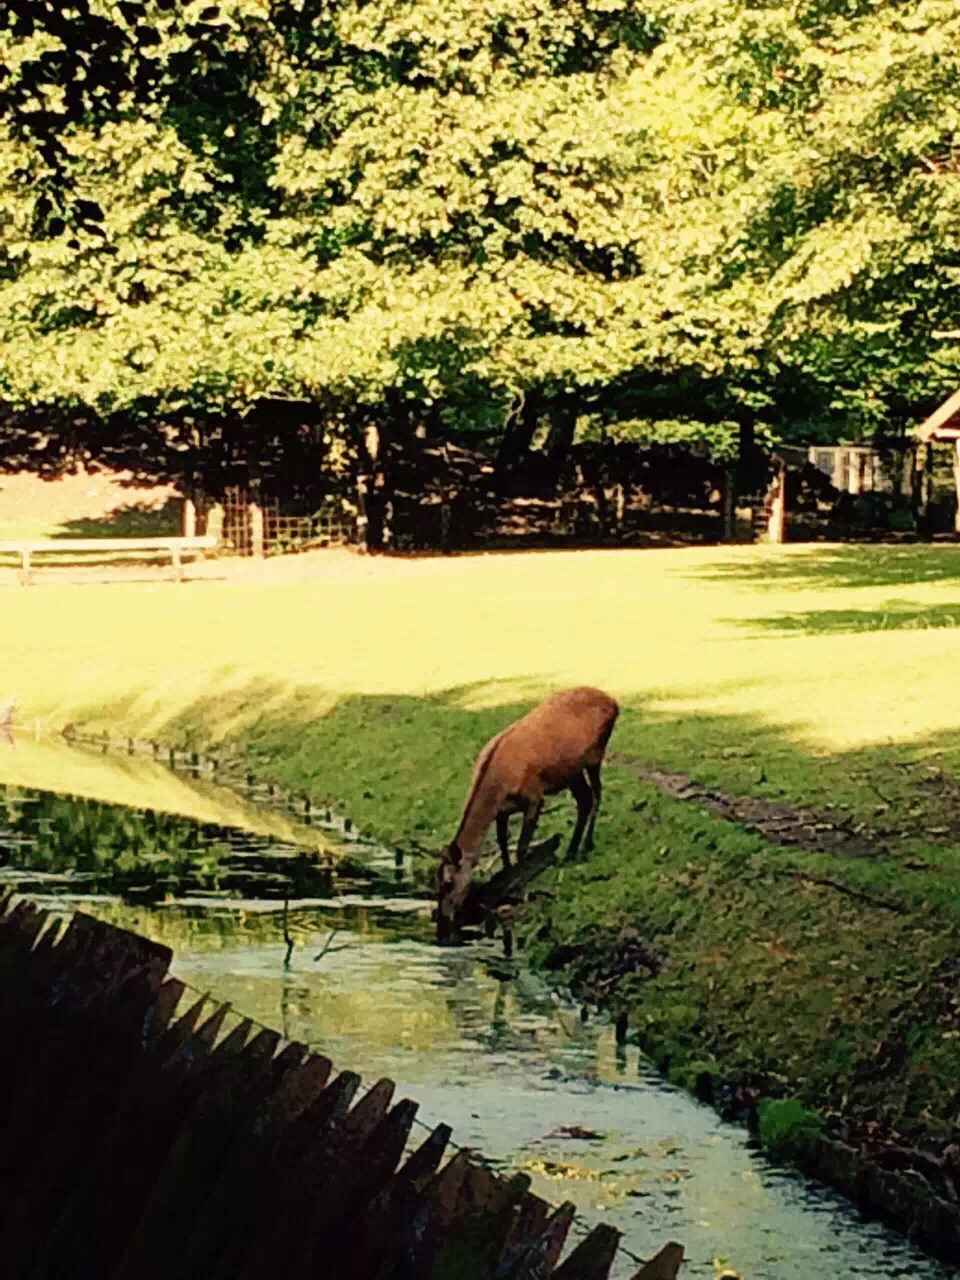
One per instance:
[(446, 202)]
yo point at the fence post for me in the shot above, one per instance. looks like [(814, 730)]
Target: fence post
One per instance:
[(363, 518), (256, 530), (214, 522), (777, 524), (923, 488)]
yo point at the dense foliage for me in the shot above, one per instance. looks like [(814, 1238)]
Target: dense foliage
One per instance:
[(485, 216)]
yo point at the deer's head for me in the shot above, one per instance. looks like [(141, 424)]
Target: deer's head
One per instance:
[(452, 878)]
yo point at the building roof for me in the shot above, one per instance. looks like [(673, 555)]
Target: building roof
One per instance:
[(943, 423)]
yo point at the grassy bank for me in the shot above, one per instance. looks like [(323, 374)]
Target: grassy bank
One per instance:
[(820, 677)]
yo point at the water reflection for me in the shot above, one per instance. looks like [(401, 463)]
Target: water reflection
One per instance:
[(86, 845), (476, 1039), (142, 783)]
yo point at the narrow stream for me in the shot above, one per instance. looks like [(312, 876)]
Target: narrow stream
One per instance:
[(479, 1042)]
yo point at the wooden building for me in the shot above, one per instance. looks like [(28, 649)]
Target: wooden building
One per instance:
[(850, 468), (943, 424)]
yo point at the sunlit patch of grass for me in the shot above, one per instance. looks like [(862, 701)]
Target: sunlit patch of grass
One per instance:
[(668, 630)]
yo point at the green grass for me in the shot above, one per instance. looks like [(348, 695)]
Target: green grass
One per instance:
[(762, 671)]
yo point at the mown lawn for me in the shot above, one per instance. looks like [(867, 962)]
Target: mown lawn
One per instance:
[(819, 676)]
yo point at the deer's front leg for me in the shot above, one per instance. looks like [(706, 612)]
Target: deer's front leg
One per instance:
[(531, 816), (503, 838)]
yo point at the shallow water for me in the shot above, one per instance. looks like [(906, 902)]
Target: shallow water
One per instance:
[(478, 1041)]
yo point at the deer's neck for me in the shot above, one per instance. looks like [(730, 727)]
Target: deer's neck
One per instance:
[(479, 812)]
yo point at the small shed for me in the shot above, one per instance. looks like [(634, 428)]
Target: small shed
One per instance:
[(943, 423), (942, 427)]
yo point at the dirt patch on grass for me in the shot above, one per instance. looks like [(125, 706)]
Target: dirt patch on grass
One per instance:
[(778, 823), (942, 792), (928, 812)]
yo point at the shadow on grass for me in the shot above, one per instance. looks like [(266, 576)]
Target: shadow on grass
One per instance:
[(892, 617), (400, 765), (132, 520), (841, 567)]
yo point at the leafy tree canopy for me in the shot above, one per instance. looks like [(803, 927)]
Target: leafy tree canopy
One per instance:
[(694, 212)]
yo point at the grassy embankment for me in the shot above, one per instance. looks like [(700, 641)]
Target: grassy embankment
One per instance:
[(820, 677)]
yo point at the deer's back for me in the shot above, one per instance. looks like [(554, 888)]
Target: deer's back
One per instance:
[(555, 740)]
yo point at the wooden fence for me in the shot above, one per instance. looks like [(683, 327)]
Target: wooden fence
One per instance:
[(140, 1138)]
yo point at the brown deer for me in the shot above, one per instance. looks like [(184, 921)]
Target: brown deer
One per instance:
[(558, 746)]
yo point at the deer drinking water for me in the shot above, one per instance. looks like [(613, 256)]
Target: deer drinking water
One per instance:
[(558, 746)]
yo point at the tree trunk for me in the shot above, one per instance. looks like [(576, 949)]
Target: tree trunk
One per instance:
[(374, 493), (777, 524), (750, 469), (620, 507), (922, 489), (729, 503), (563, 426), (517, 437), (363, 518)]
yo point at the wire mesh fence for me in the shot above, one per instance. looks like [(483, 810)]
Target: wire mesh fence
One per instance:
[(252, 524)]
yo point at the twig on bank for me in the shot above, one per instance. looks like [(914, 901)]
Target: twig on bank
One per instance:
[(877, 792), (883, 903), (287, 936), (327, 949)]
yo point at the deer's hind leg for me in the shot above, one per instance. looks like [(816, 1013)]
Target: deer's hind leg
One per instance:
[(593, 774), (582, 792)]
